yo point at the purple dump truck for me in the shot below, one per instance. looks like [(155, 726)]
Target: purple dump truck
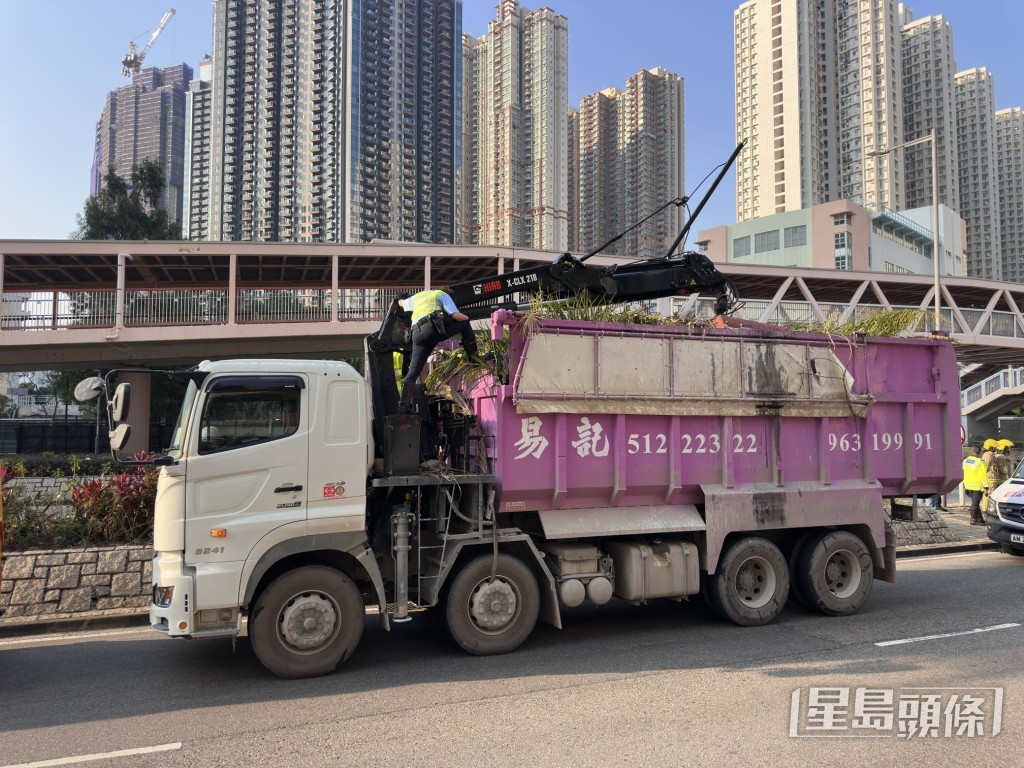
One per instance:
[(765, 454), (629, 462)]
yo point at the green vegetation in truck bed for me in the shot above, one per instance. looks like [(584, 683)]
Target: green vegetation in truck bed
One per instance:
[(455, 364)]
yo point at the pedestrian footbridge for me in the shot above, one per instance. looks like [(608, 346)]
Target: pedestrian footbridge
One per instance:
[(68, 304), (991, 398)]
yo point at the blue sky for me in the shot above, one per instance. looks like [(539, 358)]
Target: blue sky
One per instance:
[(61, 57)]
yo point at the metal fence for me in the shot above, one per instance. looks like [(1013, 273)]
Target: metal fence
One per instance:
[(98, 309), (59, 436)]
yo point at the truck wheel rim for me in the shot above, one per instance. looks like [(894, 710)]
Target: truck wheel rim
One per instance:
[(493, 606), (308, 622), (755, 582), (842, 573)]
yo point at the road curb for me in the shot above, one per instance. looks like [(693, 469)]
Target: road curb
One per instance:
[(947, 549), (74, 624)]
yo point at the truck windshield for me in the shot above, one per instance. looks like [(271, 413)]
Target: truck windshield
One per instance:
[(178, 438)]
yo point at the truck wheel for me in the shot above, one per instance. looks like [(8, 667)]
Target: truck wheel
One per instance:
[(306, 622), (487, 618), (751, 583), (835, 573), (796, 592)]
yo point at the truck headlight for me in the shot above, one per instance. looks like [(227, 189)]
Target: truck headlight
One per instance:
[(163, 596)]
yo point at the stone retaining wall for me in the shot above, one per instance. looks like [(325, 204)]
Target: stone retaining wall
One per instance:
[(56, 488), (62, 581), (927, 528)]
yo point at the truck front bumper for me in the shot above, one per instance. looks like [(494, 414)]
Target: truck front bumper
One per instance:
[(173, 596)]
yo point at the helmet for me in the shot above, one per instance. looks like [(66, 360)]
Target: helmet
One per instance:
[(990, 444), (1004, 444)]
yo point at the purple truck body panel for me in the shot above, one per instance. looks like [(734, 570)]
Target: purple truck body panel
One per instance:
[(906, 440)]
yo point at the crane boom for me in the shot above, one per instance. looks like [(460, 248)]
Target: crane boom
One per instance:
[(670, 275), (132, 63)]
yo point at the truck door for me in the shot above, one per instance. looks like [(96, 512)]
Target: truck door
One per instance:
[(246, 474)]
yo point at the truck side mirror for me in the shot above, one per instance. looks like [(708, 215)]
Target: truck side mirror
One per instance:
[(120, 403), (119, 437), (89, 389)]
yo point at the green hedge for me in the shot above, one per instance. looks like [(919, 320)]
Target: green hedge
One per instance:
[(59, 464), (114, 508)]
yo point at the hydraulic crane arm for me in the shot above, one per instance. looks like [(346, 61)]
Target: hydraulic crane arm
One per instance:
[(681, 275), (670, 275)]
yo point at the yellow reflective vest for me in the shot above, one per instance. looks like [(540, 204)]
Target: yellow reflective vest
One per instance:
[(975, 474), (424, 303)]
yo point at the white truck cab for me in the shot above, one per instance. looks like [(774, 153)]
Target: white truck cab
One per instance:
[(265, 455)]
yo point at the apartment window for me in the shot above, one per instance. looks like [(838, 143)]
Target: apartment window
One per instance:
[(741, 246), (766, 241), (843, 251), (794, 236), (840, 219)]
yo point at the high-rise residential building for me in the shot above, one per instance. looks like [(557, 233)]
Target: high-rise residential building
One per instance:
[(515, 130), (1010, 182), (929, 103), (819, 85), (630, 160), (598, 159), (574, 180), (197, 154), (780, 106), (334, 120), (146, 120), (979, 189)]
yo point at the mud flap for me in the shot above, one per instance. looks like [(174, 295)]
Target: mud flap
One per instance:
[(887, 570)]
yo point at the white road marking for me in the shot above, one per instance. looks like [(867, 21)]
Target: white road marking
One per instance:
[(907, 561), (73, 636), (947, 634), (98, 756)]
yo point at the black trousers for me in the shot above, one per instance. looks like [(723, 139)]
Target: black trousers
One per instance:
[(424, 338), (975, 497)]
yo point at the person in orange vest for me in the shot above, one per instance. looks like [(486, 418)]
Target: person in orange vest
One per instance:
[(975, 481)]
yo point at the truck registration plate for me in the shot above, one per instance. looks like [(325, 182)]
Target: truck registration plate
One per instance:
[(1017, 538)]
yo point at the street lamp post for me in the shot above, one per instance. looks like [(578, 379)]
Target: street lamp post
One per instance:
[(930, 136)]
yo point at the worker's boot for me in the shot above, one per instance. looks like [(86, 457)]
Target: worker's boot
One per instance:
[(977, 519), (405, 402)]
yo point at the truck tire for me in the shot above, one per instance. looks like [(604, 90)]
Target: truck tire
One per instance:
[(751, 582), (835, 573), (486, 618), (306, 622), (796, 592), (710, 600)]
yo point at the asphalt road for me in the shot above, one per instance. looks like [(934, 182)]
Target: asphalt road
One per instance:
[(620, 685)]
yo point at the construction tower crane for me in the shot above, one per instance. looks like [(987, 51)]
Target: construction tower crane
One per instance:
[(132, 63)]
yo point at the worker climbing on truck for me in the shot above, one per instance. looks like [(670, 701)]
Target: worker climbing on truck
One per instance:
[(434, 319)]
